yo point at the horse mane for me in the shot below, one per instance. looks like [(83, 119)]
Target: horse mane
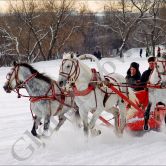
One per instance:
[(69, 55), (40, 76)]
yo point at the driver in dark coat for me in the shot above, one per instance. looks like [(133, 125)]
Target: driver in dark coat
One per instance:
[(133, 76)]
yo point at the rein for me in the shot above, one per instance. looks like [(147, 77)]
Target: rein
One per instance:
[(54, 96), (45, 97), (94, 81), (18, 84), (89, 89), (83, 92), (23, 84)]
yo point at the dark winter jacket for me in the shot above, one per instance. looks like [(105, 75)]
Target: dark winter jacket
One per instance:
[(133, 80), (145, 76), (97, 54)]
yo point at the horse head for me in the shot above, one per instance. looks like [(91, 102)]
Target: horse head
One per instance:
[(13, 79), (19, 75), (69, 69)]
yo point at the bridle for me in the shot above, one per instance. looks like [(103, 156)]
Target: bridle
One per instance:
[(160, 74), (74, 72), (19, 84), (163, 62)]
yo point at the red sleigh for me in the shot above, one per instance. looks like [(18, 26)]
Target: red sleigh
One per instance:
[(156, 119)]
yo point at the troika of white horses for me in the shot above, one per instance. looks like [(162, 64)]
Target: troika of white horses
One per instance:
[(86, 91)]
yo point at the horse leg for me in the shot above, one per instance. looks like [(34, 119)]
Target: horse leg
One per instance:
[(62, 119), (77, 118), (86, 129), (33, 131), (122, 117), (46, 122), (92, 122), (115, 112), (84, 117), (35, 126), (146, 116)]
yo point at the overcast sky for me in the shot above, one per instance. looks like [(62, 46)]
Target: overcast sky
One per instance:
[(3, 5), (94, 5)]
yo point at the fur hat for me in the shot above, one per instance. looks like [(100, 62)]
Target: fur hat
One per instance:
[(151, 59), (134, 65)]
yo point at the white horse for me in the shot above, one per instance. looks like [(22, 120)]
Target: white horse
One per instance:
[(90, 94), (156, 95), (45, 95)]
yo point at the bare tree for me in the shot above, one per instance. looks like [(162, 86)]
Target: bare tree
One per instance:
[(152, 29), (125, 18), (156, 31), (59, 13), (28, 14), (39, 29), (10, 40)]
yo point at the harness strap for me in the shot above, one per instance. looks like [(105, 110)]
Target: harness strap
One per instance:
[(106, 96), (61, 104), (38, 98), (156, 86), (83, 92), (45, 97), (90, 87), (125, 98), (22, 85)]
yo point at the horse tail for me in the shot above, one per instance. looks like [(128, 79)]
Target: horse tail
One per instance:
[(132, 97), (92, 57)]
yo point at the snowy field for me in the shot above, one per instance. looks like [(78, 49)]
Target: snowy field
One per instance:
[(69, 146)]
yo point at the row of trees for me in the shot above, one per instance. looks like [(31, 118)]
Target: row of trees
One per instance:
[(42, 30), (141, 20)]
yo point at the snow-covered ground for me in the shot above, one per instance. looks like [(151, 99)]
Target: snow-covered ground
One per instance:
[(69, 146)]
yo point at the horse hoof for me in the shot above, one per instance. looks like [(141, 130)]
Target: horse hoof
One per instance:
[(99, 132), (34, 133), (119, 135), (46, 133), (95, 132)]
